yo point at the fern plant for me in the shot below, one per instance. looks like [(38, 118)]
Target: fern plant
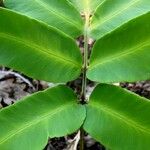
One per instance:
[(38, 38)]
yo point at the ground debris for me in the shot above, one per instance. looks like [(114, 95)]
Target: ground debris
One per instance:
[(14, 86)]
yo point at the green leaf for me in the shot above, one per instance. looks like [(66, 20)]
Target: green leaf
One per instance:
[(118, 118), (123, 55), (37, 50), (86, 6), (56, 13), (27, 124), (112, 14)]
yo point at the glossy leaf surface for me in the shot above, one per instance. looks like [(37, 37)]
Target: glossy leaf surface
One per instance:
[(118, 118), (86, 6), (28, 124), (36, 49), (56, 13), (123, 55), (111, 14)]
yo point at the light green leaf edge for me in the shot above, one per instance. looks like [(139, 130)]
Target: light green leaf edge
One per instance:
[(123, 55), (28, 124), (118, 118), (56, 13), (36, 49), (110, 15)]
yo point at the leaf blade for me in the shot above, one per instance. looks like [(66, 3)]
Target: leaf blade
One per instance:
[(123, 118), (112, 14), (58, 14), (120, 53), (40, 114), (30, 46), (86, 6)]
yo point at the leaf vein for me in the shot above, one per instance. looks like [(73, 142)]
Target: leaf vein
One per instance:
[(35, 121), (129, 51), (109, 17), (59, 15), (36, 47), (124, 119)]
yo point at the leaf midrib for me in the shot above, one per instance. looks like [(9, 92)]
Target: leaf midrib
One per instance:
[(122, 54), (87, 6), (117, 115), (109, 17), (36, 47), (97, 8), (59, 15), (50, 115)]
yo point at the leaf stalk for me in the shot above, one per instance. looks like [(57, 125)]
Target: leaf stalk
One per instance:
[(85, 59), (84, 79)]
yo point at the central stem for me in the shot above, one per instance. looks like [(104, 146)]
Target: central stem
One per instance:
[(84, 80), (85, 59)]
